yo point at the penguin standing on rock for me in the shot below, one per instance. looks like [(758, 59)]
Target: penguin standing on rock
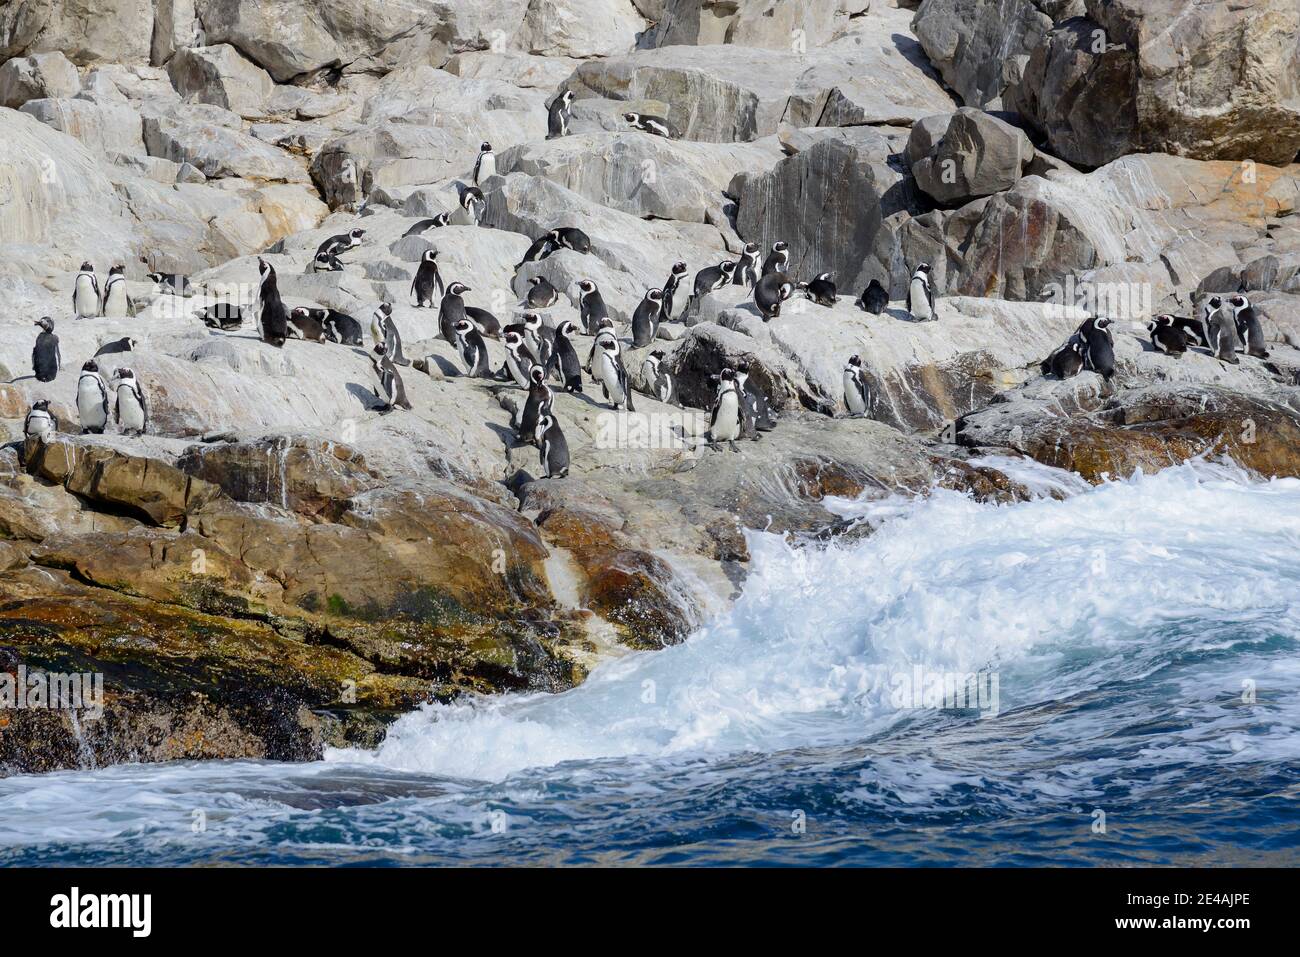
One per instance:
[(724, 422), (610, 372), (710, 279), (654, 125), (485, 166), (875, 298), (473, 350), (539, 337), (591, 306), (452, 310), (46, 358), (746, 272), (772, 290), (540, 399), (85, 293), (1249, 329), (272, 318), (1098, 346), (645, 321), (130, 409), (1166, 337), (470, 211), (778, 259), (553, 446), (541, 294), (117, 301), (920, 295), (857, 394), (670, 290), (40, 423), (1222, 331), (386, 334), (558, 115), (392, 391), (428, 281), (519, 358), (565, 356), (656, 378), (92, 399)]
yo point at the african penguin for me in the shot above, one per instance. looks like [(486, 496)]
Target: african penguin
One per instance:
[(272, 318), (610, 372), (222, 315), (558, 114), (777, 259), (327, 262), (40, 423), (553, 446), (92, 399), (519, 358), (571, 237), (1221, 328), (488, 324), (542, 247), (724, 422), (339, 326), (473, 350), (130, 409), (1065, 362), (655, 377), (541, 294), (428, 281), (565, 356), (306, 323), (341, 243), (470, 210), (645, 321), (591, 306), (670, 289), (875, 298), (821, 290), (1166, 337), (755, 413), (746, 271), (920, 295), (46, 358), (539, 337), (646, 123), (485, 166), (1098, 346), (452, 310), (386, 334), (707, 280), (540, 399), (125, 344), (179, 285), (857, 394), (117, 301), (85, 293), (772, 290), (1249, 329), (392, 391)]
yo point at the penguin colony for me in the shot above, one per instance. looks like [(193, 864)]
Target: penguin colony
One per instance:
[(537, 353)]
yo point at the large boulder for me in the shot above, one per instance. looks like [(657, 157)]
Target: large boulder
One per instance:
[(105, 126), (580, 28), (1213, 81), (87, 31), (219, 75), (980, 46), (210, 139), (752, 23), (979, 155), (43, 75), (825, 203)]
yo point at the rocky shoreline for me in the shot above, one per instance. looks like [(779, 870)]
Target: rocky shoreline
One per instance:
[(277, 567)]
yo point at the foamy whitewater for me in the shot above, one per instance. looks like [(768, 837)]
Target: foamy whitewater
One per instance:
[(1136, 644)]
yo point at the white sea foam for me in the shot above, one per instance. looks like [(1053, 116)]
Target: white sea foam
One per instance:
[(1057, 596)]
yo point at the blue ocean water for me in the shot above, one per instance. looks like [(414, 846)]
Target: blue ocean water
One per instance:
[(1134, 652)]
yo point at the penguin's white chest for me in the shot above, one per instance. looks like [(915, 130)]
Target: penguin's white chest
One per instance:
[(87, 302), (609, 377), (40, 424), (129, 413), (516, 372), (920, 299), (853, 397), (487, 166), (726, 426), (115, 300), (90, 403)]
